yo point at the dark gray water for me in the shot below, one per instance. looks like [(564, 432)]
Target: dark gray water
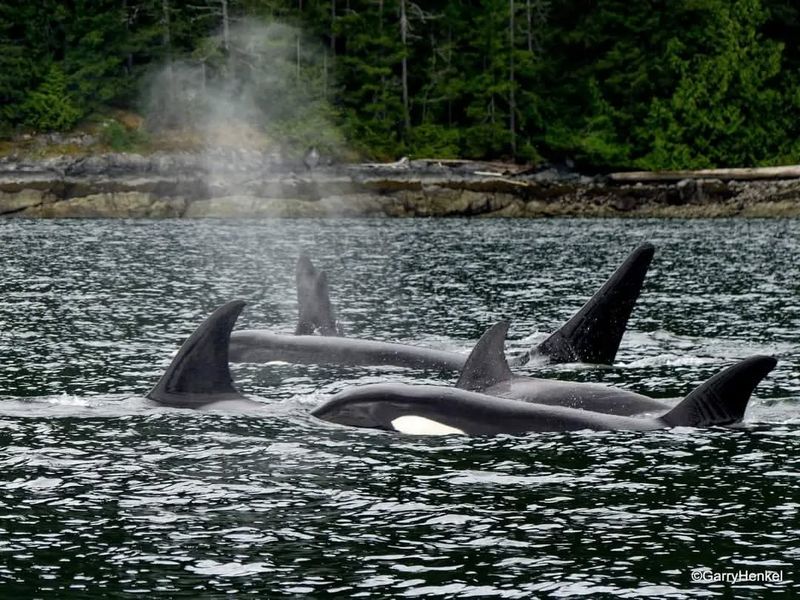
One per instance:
[(102, 495)]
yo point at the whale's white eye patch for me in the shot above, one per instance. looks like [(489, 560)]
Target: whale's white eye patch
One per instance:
[(414, 425)]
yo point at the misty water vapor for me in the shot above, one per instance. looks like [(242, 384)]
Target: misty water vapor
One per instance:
[(266, 90)]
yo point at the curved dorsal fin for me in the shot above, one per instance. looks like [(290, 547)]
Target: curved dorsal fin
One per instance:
[(722, 399), (199, 373), (486, 364), (594, 333)]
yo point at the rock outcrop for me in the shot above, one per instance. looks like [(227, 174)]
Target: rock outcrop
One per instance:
[(244, 183)]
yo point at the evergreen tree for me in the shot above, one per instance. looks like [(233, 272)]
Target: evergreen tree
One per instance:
[(50, 106), (609, 83), (368, 69), (94, 58), (726, 108), (17, 67)]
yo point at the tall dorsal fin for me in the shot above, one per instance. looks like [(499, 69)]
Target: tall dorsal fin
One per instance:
[(325, 320), (722, 399), (199, 373), (594, 333), (486, 364), (306, 278), (315, 311)]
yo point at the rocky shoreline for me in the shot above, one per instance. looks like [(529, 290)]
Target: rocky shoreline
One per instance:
[(245, 183)]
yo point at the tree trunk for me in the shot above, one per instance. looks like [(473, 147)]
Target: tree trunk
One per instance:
[(383, 91), (449, 65), (404, 64), (128, 56), (333, 22), (530, 25), (325, 75), (226, 31), (512, 103), (165, 33), (297, 57), (166, 40)]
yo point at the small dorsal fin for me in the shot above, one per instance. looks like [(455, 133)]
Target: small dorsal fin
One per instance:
[(199, 373), (486, 364), (594, 333), (315, 312), (722, 399)]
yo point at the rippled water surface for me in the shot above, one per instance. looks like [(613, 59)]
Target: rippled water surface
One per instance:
[(101, 494)]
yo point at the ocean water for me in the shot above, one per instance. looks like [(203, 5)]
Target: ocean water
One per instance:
[(104, 495)]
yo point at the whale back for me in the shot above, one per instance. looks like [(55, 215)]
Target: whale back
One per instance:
[(199, 373), (486, 364), (594, 333), (722, 399)]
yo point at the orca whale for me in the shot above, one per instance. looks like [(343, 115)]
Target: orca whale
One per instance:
[(487, 371), (592, 335), (438, 410), (199, 375)]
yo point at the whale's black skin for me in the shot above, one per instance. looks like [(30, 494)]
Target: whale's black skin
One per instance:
[(378, 406), (260, 346), (315, 311), (593, 335), (586, 396), (721, 400), (487, 371), (198, 376)]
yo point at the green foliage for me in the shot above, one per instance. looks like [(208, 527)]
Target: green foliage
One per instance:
[(121, 139), (95, 52), (313, 126), (607, 83), (17, 71), (435, 141), (49, 107), (692, 83), (716, 115)]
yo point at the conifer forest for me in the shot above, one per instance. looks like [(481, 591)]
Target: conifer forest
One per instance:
[(606, 84)]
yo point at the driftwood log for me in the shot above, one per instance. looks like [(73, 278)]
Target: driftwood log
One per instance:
[(742, 174)]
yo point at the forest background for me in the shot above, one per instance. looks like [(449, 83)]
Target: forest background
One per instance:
[(607, 84)]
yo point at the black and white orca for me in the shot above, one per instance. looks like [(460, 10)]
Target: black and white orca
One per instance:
[(199, 377), (438, 410)]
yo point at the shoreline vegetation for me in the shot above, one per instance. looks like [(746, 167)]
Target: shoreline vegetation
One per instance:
[(605, 85), (235, 183), (207, 108)]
